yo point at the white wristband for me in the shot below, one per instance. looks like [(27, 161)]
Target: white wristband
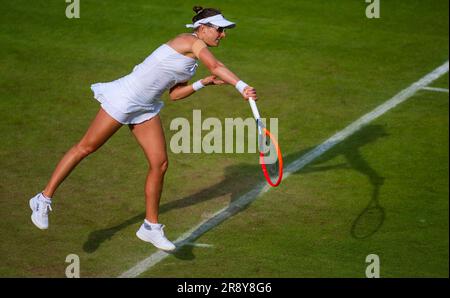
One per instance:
[(197, 85), (240, 86)]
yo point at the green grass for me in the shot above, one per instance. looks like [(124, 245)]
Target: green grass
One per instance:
[(317, 65), (368, 206)]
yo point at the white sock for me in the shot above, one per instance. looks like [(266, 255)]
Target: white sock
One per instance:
[(153, 225), (45, 197)]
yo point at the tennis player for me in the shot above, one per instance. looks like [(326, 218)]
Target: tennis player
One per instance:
[(135, 100)]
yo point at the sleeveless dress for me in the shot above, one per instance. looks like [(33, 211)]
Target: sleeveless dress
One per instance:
[(136, 97)]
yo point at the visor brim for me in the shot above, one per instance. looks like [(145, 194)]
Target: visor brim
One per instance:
[(223, 24)]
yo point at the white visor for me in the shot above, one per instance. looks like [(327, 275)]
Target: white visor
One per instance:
[(217, 20)]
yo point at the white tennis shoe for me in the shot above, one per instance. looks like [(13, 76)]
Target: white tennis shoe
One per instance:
[(40, 207), (154, 233)]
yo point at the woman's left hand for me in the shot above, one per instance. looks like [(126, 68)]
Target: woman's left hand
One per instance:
[(212, 80)]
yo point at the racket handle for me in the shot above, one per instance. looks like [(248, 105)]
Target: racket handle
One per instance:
[(254, 108), (255, 111)]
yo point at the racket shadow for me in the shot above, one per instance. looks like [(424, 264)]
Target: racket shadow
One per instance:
[(371, 218)]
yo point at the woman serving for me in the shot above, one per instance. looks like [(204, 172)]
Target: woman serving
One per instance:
[(135, 100)]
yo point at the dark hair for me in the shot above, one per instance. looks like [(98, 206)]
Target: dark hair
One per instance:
[(201, 13)]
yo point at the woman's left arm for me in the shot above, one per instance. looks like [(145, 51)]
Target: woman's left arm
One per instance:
[(183, 90)]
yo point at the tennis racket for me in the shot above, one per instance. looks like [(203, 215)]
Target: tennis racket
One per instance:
[(269, 152)]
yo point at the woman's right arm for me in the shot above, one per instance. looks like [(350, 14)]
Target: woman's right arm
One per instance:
[(218, 69)]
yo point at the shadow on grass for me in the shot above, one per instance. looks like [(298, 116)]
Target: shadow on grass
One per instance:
[(371, 218), (238, 178)]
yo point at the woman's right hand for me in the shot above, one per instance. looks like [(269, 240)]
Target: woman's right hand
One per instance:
[(250, 92)]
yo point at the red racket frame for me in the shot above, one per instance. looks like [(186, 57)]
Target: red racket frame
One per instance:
[(280, 160)]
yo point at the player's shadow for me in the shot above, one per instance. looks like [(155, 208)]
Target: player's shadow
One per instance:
[(238, 178), (368, 222)]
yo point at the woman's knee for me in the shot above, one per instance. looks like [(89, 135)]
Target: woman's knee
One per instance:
[(84, 149), (163, 165), (160, 166)]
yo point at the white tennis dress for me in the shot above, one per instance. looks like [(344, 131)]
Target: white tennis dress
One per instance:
[(136, 97)]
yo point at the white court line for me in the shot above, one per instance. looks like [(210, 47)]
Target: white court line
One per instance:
[(243, 201), (435, 89), (203, 245)]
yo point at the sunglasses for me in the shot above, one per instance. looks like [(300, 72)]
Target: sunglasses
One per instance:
[(218, 29)]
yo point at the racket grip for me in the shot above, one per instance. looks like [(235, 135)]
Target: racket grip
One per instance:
[(254, 108)]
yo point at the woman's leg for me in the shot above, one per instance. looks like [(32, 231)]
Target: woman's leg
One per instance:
[(100, 130), (150, 136)]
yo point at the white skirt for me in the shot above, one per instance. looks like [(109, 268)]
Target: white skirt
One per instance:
[(125, 118)]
